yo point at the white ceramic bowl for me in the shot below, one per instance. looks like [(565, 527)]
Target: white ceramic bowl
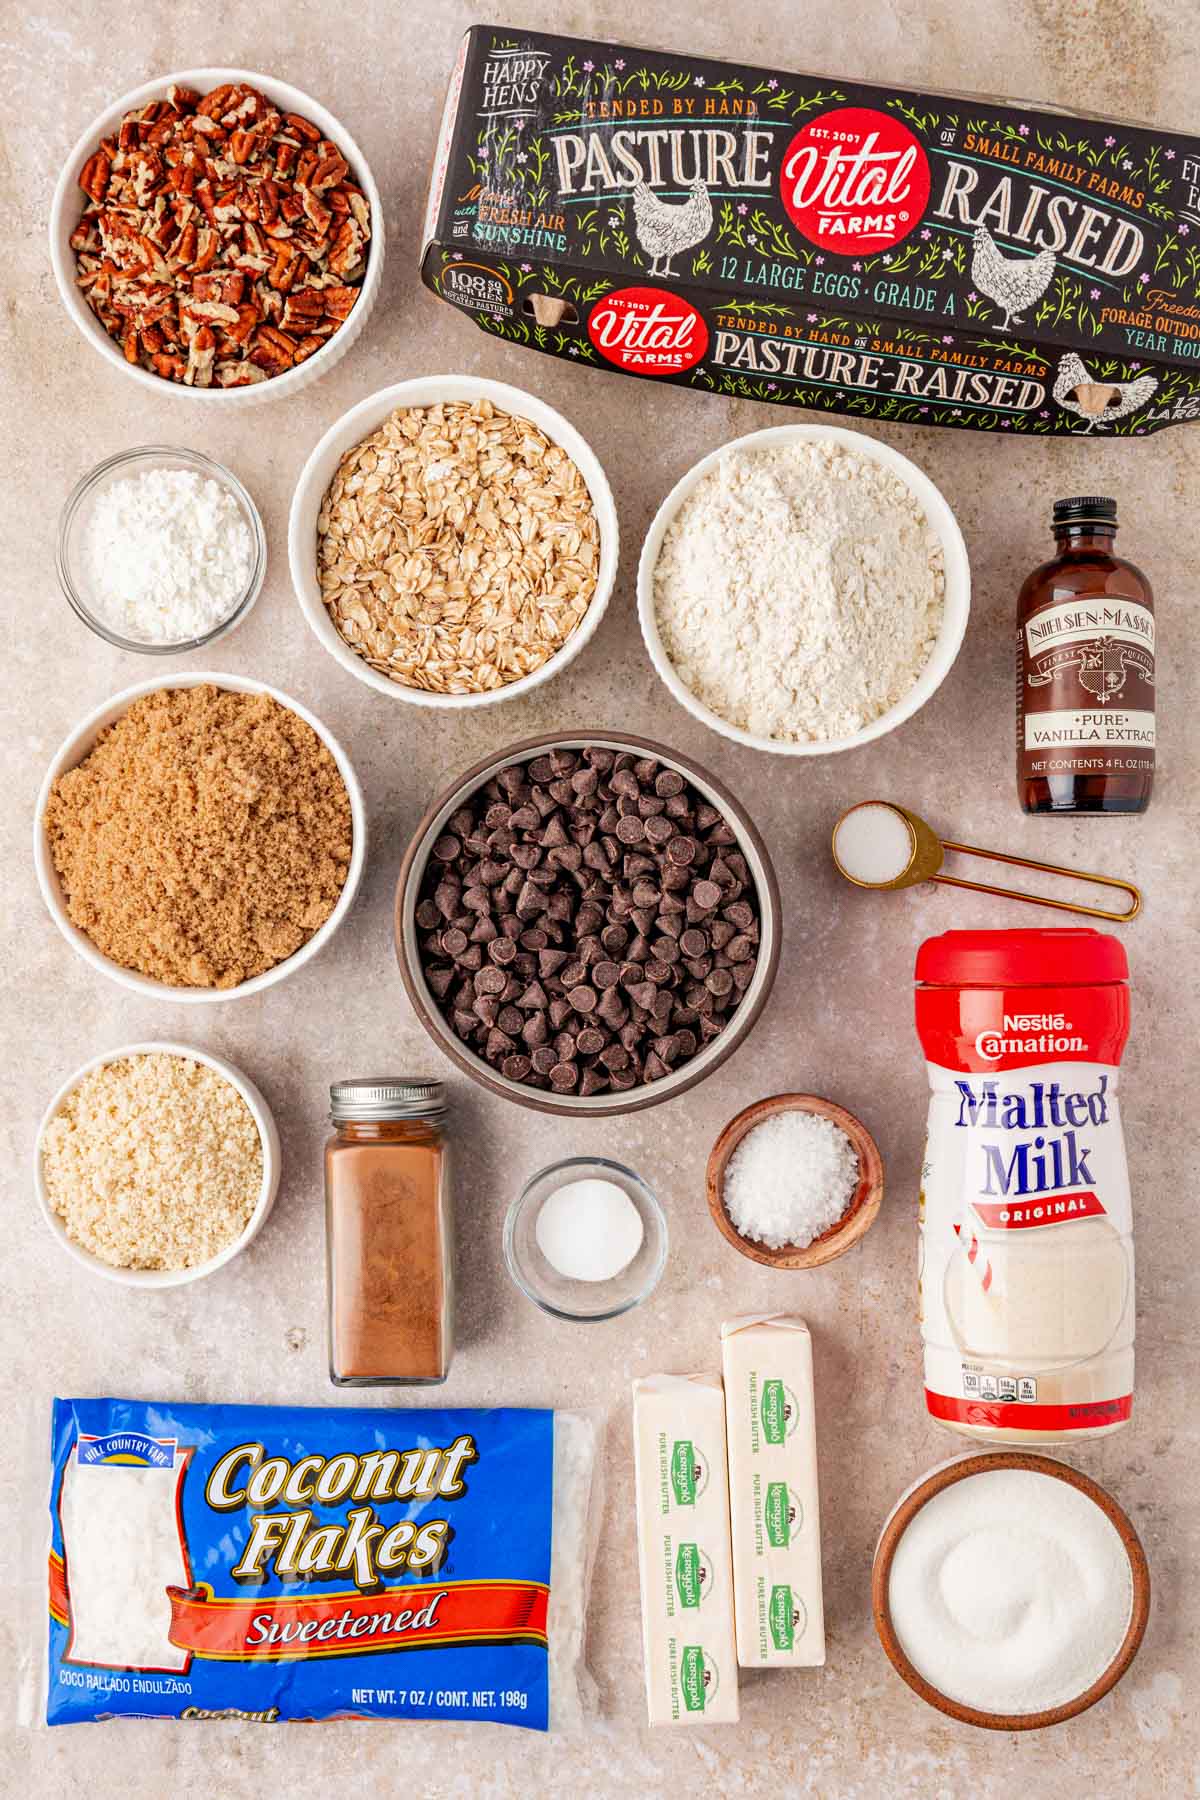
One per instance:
[(75, 747), (957, 591), (68, 204), (360, 422), (261, 1113)]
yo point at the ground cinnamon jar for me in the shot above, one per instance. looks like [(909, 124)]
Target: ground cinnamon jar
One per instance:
[(389, 1233)]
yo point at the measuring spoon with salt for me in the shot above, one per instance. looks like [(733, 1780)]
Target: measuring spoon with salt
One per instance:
[(878, 844)]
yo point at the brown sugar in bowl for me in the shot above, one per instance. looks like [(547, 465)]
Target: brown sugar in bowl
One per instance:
[(897, 1524), (854, 1223)]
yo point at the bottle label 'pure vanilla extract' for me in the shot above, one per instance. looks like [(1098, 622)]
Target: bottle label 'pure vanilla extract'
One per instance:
[(1085, 672)]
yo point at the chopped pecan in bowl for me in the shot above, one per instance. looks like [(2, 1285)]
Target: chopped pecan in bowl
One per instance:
[(223, 241)]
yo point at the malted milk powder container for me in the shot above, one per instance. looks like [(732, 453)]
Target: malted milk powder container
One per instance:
[(1026, 1268)]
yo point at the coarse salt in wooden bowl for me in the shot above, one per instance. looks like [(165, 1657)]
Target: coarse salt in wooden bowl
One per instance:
[(901, 1517), (854, 1223)]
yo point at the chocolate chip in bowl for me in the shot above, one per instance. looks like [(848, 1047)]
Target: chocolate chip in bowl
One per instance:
[(587, 924), (218, 231)]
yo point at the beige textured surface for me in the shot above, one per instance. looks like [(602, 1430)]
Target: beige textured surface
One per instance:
[(839, 1021)]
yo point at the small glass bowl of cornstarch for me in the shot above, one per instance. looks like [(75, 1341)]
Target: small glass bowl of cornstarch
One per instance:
[(160, 550)]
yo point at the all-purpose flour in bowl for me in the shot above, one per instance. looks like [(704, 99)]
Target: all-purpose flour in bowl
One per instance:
[(799, 590)]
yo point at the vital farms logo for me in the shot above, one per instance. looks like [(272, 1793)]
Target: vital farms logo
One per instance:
[(648, 331), (854, 181)]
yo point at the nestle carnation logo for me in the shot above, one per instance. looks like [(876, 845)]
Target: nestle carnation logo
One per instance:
[(1030, 1034), (855, 180)]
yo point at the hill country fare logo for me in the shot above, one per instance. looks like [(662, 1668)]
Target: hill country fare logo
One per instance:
[(854, 180), (648, 331)]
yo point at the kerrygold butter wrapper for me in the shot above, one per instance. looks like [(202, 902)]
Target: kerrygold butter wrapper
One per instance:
[(811, 241), (773, 1498), (683, 1550)]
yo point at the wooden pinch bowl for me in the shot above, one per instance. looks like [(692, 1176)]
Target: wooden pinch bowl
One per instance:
[(854, 1223), (960, 1469)]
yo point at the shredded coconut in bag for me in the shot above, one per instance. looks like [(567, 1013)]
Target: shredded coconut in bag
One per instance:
[(275, 1563)]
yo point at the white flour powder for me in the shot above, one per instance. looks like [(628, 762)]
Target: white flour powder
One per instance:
[(1011, 1591), (166, 555), (799, 591)]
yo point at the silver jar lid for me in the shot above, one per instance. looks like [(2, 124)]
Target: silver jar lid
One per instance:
[(387, 1097)]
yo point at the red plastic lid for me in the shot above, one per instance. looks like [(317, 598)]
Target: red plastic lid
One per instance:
[(1075, 957)]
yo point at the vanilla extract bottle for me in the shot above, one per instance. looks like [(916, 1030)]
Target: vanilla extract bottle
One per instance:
[(1085, 672)]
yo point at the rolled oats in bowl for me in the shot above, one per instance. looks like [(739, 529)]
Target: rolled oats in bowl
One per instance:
[(458, 548)]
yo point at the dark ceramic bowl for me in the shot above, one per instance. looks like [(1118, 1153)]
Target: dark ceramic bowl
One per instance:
[(652, 1093)]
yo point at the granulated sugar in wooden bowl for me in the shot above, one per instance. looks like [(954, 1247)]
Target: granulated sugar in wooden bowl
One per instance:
[(156, 1163), (453, 542), (1010, 1591)]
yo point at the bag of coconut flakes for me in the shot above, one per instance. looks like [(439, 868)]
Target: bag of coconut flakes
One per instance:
[(270, 1563)]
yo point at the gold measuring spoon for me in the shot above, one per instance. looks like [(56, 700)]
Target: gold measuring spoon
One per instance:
[(877, 844)]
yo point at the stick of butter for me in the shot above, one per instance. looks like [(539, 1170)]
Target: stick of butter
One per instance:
[(684, 1556), (773, 1501)]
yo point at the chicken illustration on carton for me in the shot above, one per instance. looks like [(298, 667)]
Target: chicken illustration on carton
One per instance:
[(806, 241)]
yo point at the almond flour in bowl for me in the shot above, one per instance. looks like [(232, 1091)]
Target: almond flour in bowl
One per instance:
[(803, 590), (156, 1163)]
